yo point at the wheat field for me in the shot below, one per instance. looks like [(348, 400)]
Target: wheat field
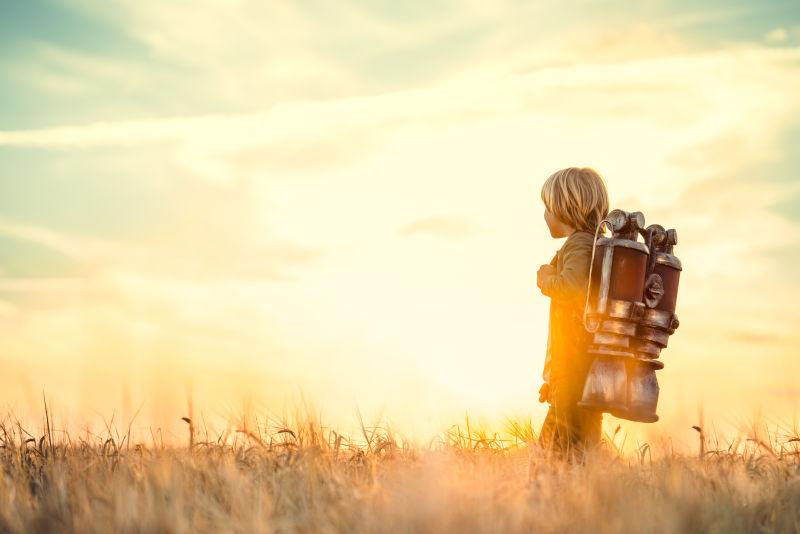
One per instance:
[(303, 477)]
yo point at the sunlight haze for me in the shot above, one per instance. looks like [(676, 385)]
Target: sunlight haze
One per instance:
[(259, 202)]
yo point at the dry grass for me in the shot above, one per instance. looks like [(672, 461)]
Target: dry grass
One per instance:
[(273, 478)]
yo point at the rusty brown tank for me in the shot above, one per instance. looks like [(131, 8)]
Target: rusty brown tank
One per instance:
[(630, 310)]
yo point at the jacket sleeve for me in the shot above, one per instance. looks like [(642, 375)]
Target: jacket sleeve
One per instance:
[(573, 280)]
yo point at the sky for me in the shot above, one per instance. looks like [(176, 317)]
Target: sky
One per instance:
[(259, 205)]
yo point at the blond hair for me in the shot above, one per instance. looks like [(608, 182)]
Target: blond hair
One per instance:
[(577, 196)]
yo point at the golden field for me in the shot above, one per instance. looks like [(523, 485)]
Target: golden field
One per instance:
[(280, 476)]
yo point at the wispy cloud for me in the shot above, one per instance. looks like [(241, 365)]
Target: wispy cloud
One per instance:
[(59, 70), (205, 141), (49, 286), (77, 247), (778, 35)]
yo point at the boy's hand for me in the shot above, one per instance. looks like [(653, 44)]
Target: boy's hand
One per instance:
[(544, 392), (544, 272)]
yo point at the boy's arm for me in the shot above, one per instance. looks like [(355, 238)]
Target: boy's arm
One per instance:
[(573, 280)]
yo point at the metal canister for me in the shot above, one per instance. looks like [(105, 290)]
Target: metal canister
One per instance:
[(659, 321), (630, 309), (613, 309)]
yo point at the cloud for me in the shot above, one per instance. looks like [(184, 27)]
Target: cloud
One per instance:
[(49, 286), (249, 54), (695, 18), (233, 255), (78, 247), (777, 35), (703, 96), (60, 70)]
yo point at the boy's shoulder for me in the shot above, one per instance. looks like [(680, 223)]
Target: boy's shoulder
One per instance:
[(578, 245), (581, 235), (579, 239)]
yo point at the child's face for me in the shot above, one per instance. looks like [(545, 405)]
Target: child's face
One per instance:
[(557, 228)]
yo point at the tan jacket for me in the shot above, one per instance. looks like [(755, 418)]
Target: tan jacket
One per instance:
[(567, 339)]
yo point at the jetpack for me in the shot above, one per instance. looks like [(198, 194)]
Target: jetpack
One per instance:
[(630, 310)]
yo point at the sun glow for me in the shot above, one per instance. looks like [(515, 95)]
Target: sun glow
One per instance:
[(281, 224)]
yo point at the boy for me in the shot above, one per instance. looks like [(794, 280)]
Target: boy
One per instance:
[(575, 202)]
